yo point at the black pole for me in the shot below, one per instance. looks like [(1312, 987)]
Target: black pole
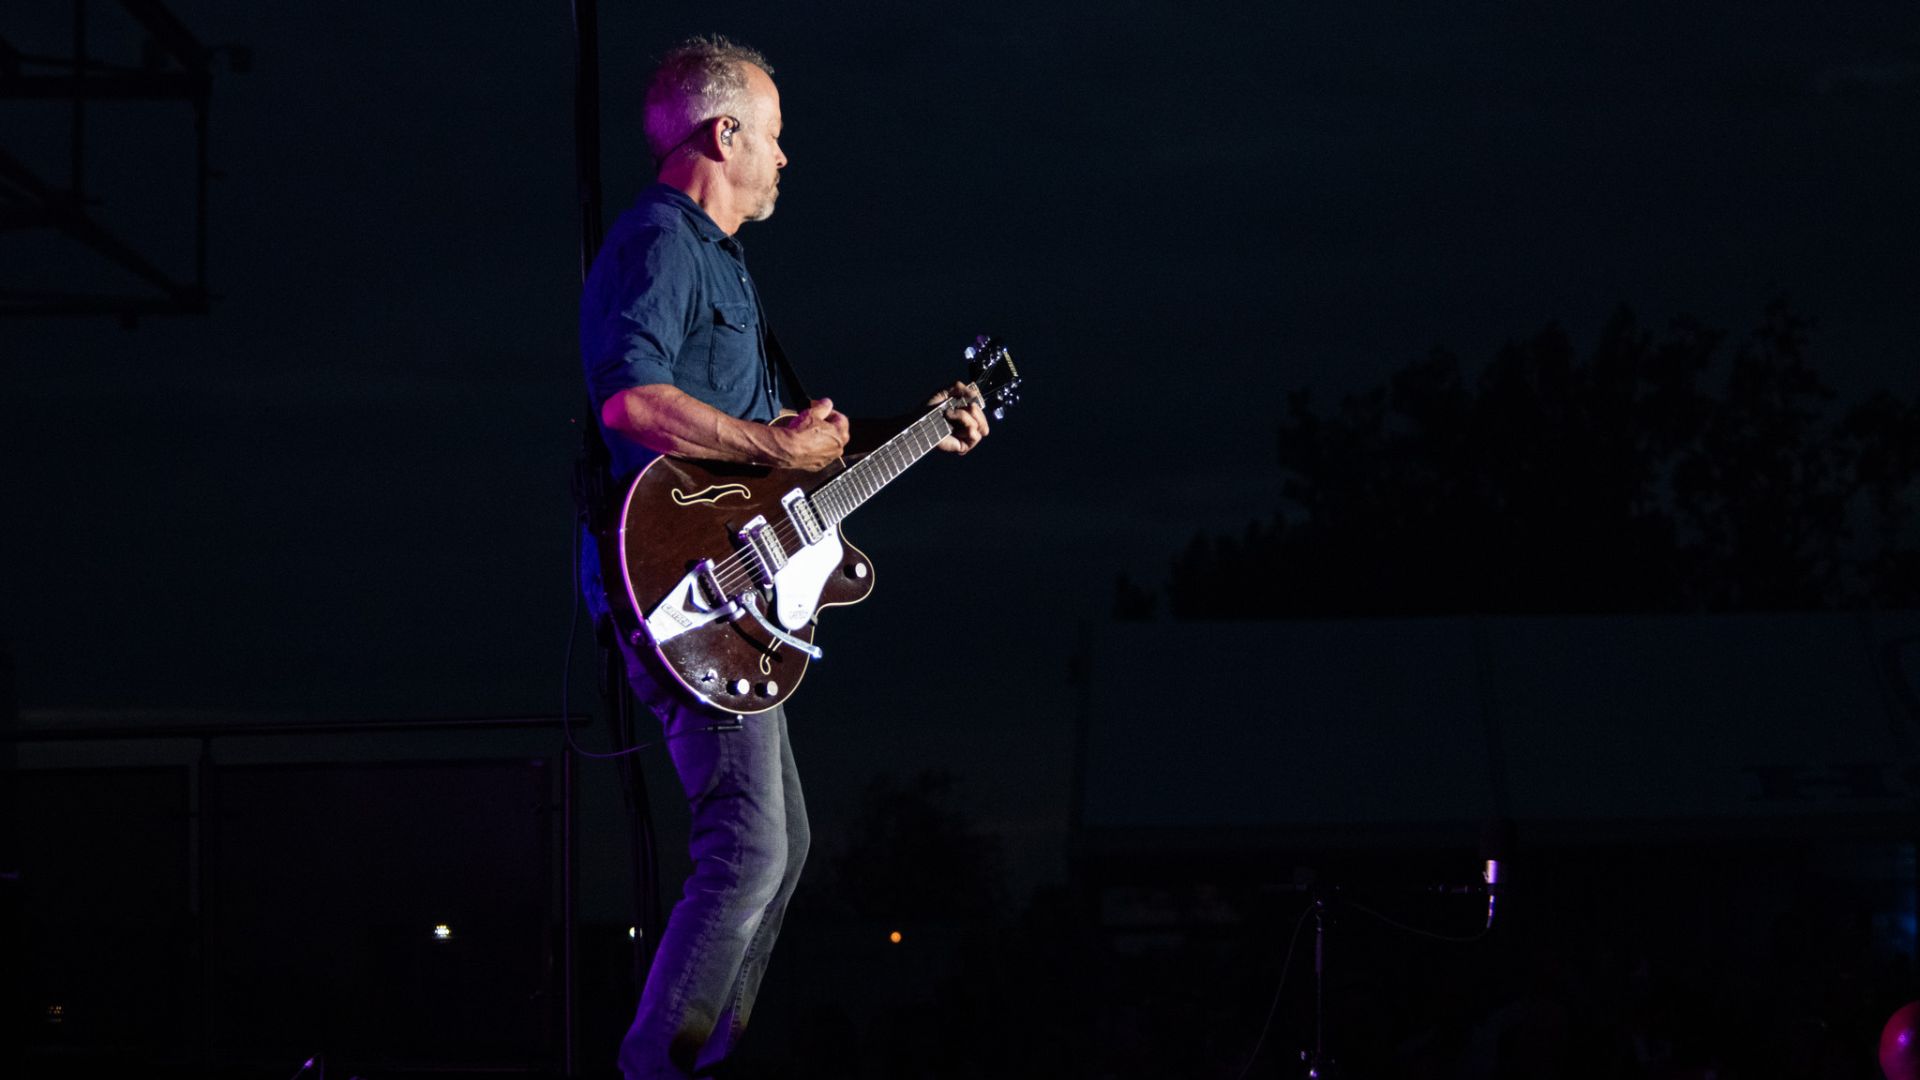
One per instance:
[(1319, 988), (642, 850), (201, 168), (569, 879), (206, 830), (586, 126), (79, 147), (13, 980), (586, 142), (594, 488)]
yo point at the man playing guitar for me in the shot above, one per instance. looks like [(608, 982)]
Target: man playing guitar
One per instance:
[(678, 362)]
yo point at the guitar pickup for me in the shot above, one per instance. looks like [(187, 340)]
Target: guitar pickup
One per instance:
[(757, 536), (806, 521)]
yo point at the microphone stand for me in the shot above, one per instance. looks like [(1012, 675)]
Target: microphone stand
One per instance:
[(1320, 1061)]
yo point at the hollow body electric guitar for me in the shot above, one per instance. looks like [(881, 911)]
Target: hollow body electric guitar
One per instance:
[(726, 567)]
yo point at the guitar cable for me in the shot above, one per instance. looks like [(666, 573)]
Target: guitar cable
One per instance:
[(1293, 940)]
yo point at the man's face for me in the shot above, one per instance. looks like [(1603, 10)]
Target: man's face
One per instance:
[(755, 167)]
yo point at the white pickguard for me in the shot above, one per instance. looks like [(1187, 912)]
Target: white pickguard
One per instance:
[(797, 585)]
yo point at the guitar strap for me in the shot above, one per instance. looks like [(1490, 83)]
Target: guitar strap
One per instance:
[(793, 392)]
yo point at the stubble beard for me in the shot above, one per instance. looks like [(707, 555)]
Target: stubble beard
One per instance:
[(765, 210)]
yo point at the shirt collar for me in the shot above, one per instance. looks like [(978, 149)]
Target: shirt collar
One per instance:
[(703, 225)]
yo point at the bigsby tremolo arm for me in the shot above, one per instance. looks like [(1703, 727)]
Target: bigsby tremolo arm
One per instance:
[(746, 603), (751, 601)]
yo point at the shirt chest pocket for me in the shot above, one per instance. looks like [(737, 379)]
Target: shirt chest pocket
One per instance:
[(733, 355)]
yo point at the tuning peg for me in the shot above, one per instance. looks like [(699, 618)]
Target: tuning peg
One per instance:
[(1000, 412), (970, 352)]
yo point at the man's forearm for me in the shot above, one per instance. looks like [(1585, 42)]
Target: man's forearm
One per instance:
[(668, 420)]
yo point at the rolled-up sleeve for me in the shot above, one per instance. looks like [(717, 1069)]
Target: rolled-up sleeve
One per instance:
[(641, 311)]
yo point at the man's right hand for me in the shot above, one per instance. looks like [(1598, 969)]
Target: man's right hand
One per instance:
[(667, 420), (815, 438)]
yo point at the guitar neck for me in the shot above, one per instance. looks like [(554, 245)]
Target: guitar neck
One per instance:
[(845, 493)]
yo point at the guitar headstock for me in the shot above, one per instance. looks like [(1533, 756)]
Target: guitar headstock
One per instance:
[(990, 368)]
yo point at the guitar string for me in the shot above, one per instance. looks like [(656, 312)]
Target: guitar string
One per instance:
[(735, 573), (738, 566)]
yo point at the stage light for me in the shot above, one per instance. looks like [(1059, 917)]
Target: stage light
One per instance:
[(894, 937), (442, 932)]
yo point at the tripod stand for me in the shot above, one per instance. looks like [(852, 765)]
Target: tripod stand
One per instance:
[(1319, 1061)]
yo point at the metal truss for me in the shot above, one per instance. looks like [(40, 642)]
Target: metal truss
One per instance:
[(174, 66)]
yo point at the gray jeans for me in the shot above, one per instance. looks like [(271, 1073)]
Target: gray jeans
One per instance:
[(748, 840)]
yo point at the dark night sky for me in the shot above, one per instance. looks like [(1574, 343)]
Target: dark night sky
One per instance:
[(345, 490)]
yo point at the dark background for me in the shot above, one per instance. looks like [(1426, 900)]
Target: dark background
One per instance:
[(343, 492)]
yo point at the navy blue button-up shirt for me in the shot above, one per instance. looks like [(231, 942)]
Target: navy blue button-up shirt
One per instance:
[(669, 300)]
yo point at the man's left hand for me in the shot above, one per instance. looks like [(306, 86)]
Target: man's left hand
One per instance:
[(969, 420)]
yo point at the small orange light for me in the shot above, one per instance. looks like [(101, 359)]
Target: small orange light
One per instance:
[(894, 937)]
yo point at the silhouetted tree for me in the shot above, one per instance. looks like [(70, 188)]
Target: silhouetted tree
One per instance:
[(1552, 483)]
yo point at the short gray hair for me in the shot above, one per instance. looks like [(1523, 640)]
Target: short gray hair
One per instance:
[(697, 80)]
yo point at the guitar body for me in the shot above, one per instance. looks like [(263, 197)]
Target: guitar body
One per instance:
[(680, 512), (724, 569)]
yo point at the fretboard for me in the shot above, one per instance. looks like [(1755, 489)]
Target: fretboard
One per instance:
[(844, 494)]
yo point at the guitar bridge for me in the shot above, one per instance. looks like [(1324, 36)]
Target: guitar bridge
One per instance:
[(710, 584)]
